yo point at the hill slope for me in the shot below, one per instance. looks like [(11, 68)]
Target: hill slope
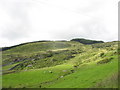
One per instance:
[(61, 64)]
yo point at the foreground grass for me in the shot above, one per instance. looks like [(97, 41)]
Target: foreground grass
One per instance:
[(33, 78)]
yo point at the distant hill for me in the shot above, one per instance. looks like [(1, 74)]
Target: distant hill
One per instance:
[(86, 41), (10, 47), (81, 40)]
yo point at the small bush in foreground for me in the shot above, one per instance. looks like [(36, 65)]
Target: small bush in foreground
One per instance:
[(106, 60)]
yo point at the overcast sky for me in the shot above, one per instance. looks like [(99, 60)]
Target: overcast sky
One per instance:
[(32, 20)]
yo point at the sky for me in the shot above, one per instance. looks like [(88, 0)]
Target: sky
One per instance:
[(33, 20)]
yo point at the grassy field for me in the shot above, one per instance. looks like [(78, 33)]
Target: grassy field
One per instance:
[(61, 64)]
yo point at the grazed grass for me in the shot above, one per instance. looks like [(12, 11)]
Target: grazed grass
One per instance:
[(34, 77), (109, 82)]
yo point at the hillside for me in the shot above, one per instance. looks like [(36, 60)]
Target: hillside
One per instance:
[(61, 64)]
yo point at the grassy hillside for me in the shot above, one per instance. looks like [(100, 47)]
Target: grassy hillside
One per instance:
[(61, 64)]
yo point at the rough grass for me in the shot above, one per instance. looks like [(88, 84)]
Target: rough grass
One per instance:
[(110, 82)]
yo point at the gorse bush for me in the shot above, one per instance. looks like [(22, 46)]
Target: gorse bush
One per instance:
[(105, 60)]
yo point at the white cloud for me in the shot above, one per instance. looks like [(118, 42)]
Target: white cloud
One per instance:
[(31, 20)]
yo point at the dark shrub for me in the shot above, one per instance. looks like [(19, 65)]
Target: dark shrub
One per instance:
[(75, 66), (69, 57), (101, 54), (106, 60)]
